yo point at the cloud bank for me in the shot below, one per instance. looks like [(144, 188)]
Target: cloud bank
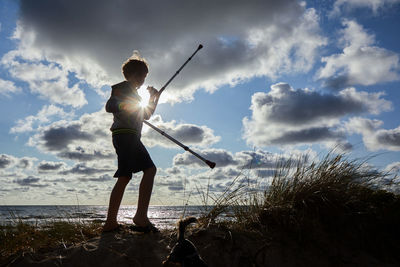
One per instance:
[(88, 138), (264, 38), (375, 5), (285, 116), (8, 87), (188, 134), (373, 136), (258, 159), (361, 62)]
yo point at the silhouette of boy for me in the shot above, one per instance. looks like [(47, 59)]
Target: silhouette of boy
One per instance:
[(133, 157)]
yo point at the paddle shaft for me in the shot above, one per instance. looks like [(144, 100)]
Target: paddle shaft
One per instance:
[(176, 73), (179, 70), (209, 163)]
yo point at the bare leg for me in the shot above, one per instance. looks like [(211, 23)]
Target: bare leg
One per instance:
[(145, 189), (115, 201)]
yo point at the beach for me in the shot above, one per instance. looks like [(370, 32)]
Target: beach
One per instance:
[(218, 246), (127, 248)]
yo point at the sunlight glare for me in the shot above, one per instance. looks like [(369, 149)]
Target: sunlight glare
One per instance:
[(144, 94)]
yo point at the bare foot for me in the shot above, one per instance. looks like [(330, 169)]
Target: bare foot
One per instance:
[(141, 221), (110, 226)]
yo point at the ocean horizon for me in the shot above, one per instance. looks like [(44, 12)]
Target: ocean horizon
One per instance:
[(161, 216)]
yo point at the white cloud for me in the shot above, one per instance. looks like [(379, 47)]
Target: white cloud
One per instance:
[(84, 139), (373, 136), (23, 180), (174, 185), (221, 157), (360, 62), (43, 116), (86, 169), (30, 181), (393, 167), (49, 80), (26, 163), (173, 171), (286, 116), (9, 162), (188, 134), (51, 166), (375, 5), (258, 159), (242, 40), (370, 102), (88, 138), (8, 87), (6, 161)]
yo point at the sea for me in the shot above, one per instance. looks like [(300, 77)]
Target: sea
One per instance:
[(164, 217)]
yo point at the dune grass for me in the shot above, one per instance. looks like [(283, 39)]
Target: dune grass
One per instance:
[(19, 238), (335, 204), (333, 211), (335, 196)]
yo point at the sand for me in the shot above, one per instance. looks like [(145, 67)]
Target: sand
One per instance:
[(218, 246)]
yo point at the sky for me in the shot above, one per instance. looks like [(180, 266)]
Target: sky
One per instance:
[(276, 79)]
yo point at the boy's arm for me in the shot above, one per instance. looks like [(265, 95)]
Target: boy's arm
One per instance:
[(115, 105), (112, 105), (118, 102)]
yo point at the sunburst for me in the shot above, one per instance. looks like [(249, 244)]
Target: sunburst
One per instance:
[(144, 95)]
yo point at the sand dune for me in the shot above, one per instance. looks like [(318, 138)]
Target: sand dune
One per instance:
[(218, 246)]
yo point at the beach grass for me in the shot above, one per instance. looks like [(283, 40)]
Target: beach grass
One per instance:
[(331, 201), (19, 237)]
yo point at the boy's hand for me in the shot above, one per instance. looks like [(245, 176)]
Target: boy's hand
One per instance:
[(152, 91)]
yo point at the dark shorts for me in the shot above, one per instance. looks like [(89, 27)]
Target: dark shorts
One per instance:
[(132, 155)]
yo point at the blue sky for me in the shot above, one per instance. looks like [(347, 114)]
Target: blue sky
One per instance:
[(275, 79)]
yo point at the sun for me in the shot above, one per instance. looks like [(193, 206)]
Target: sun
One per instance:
[(144, 95)]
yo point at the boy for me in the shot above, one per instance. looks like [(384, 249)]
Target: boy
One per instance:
[(133, 157)]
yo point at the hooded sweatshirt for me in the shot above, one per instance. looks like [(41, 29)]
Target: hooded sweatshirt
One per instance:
[(125, 121)]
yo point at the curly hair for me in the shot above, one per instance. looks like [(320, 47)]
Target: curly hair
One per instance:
[(134, 67)]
